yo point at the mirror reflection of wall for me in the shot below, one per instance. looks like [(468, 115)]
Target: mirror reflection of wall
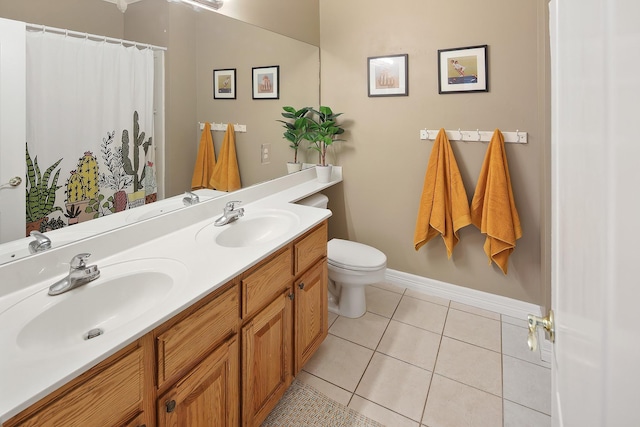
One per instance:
[(199, 42)]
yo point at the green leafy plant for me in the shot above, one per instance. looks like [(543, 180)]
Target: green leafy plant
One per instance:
[(101, 207), (295, 130), (323, 131), (41, 196), (73, 211)]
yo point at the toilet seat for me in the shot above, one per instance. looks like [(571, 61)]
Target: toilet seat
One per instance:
[(354, 256)]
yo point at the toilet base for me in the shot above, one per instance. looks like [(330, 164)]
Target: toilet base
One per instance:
[(350, 302)]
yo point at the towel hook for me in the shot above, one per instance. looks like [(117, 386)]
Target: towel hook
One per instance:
[(479, 136), (517, 135), (427, 131), (461, 137)]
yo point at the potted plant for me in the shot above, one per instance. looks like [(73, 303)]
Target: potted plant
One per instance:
[(295, 132), (40, 193), (323, 132)]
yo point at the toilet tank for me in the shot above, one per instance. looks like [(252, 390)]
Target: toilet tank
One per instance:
[(317, 200)]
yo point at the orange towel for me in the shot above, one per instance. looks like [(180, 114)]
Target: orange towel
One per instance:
[(226, 175), (205, 161), (493, 209), (444, 207)]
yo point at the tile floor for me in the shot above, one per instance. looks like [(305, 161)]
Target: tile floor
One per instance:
[(416, 360)]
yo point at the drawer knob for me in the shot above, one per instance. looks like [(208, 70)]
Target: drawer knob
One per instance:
[(301, 285), (291, 296), (171, 405)]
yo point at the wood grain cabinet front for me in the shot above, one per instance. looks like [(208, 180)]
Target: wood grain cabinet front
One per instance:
[(208, 395), (109, 395)]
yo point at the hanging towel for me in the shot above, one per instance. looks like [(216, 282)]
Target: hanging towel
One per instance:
[(444, 207), (493, 209), (226, 175), (205, 161)]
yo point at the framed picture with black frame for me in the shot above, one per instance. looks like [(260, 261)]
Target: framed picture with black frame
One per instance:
[(224, 83), (463, 69), (388, 75), (266, 82)]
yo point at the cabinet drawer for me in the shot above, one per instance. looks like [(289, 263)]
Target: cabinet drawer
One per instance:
[(263, 284), (189, 340), (103, 400), (310, 248)]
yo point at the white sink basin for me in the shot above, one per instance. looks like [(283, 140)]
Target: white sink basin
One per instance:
[(123, 292), (254, 228)]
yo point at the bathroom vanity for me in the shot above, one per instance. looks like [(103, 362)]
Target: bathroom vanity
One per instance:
[(218, 348)]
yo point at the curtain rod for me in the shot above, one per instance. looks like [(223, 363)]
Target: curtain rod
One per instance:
[(95, 37)]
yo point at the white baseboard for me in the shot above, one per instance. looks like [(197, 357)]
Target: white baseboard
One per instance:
[(496, 303)]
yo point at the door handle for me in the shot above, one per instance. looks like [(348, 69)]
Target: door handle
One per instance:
[(547, 323), (13, 182)]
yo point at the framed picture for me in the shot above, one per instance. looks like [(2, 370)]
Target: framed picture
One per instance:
[(224, 84), (388, 75), (463, 69), (266, 82)]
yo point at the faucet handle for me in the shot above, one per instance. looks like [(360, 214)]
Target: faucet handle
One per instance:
[(79, 261), (232, 205)]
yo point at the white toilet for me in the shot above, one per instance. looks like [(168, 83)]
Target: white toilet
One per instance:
[(352, 266)]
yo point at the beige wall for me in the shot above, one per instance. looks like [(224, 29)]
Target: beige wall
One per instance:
[(385, 161)]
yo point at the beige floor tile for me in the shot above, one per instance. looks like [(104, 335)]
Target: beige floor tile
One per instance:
[(390, 287), (395, 385), (520, 416), (527, 384), (331, 391), (380, 414), (380, 301), (366, 330), (475, 310), (473, 329), (453, 404), (426, 297), (339, 362), (423, 314), (514, 343), (471, 365), (410, 344), (332, 318)]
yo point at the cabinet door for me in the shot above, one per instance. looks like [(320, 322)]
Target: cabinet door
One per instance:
[(311, 308), (266, 359), (208, 395)]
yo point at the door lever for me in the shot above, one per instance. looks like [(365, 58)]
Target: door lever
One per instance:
[(548, 325)]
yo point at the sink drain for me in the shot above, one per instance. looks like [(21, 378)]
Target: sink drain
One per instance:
[(93, 333)]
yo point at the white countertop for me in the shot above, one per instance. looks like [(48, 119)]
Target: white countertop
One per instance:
[(27, 374)]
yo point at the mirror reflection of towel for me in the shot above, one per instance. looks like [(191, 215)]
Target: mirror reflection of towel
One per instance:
[(205, 160), (444, 207), (226, 175), (493, 209)]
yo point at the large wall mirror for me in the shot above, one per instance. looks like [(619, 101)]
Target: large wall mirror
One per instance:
[(197, 43)]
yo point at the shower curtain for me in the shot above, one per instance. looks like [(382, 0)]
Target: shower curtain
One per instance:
[(89, 148)]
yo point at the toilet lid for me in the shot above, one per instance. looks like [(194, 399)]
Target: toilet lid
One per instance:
[(354, 256)]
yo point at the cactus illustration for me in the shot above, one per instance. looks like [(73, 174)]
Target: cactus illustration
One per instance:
[(41, 196), (150, 184), (88, 170), (83, 182), (132, 168)]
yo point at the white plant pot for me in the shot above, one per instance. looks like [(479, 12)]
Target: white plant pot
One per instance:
[(323, 173), (293, 167)]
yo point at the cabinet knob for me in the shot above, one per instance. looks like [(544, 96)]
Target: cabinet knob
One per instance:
[(291, 296), (171, 405), (301, 285)]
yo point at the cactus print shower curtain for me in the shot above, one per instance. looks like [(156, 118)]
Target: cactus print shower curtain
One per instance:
[(89, 149)]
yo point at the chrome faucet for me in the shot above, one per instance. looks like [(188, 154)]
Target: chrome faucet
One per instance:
[(230, 214), (79, 274), (190, 198), (42, 242)]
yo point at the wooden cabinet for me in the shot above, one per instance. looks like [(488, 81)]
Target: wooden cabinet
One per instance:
[(266, 359), (251, 335), (208, 395), (111, 394), (311, 313)]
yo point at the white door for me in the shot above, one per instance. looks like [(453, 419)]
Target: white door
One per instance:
[(12, 128), (595, 65)]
